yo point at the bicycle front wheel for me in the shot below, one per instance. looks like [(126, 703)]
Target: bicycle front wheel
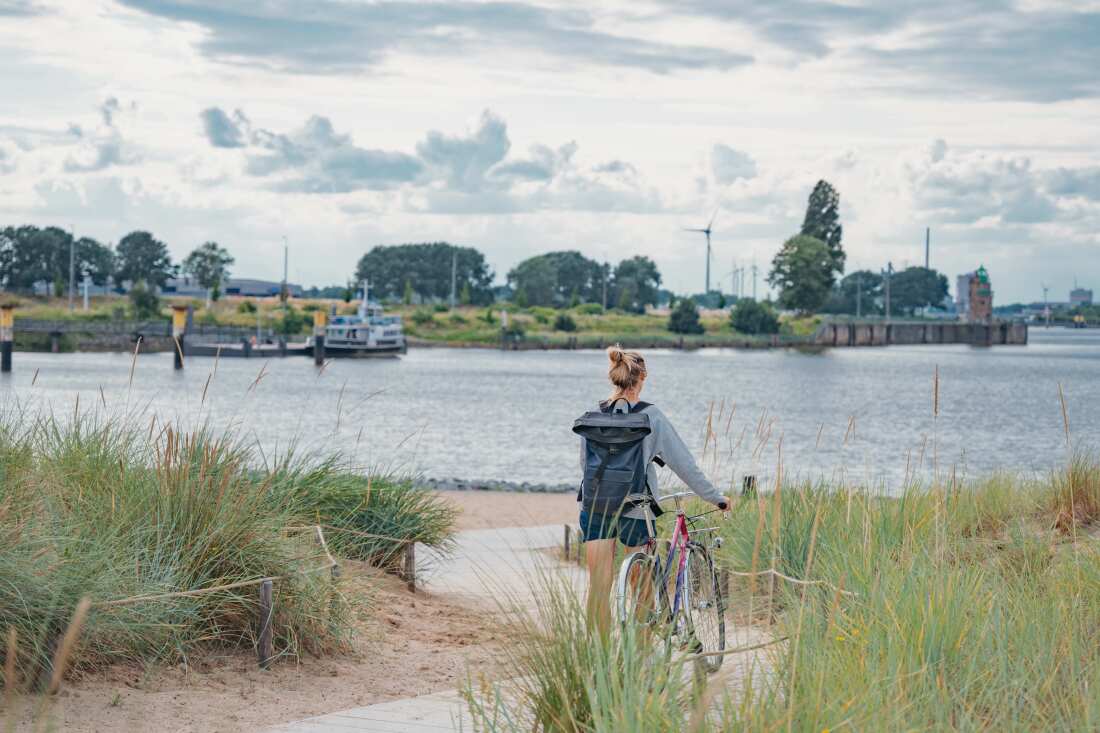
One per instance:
[(705, 607), (637, 592)]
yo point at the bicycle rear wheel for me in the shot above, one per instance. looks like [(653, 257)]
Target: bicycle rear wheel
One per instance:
[(705, 607), (637, 592)]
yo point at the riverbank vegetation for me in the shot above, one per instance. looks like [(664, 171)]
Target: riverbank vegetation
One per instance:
[(583, 326), (167, 534), (952, 607)]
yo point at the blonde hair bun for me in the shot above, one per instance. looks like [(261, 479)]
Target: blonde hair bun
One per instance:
[(627, 369)]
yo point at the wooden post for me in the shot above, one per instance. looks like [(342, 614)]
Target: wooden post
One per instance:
[(410, 567), (568, 532), (580, 545), (748, 486), (55, 342), (263, 649), (319, 338), (7, 335), (179, 328)]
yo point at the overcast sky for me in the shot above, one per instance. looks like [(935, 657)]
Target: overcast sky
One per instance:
[(519, 127)]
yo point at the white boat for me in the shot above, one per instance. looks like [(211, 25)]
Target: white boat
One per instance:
[(370, 332)]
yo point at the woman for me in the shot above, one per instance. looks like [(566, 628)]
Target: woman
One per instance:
[(627, 373)]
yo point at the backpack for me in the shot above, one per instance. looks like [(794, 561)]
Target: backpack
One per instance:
[(614, 460)]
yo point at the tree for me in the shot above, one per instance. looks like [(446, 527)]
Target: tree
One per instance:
[(34, 255), (95, 260), (551, 279), (753, 317), (803, 273), (638, 276), (685, 318), (209, 264), (141, 257), (862, 285), (427, 268), (823, 221), (916, 287)]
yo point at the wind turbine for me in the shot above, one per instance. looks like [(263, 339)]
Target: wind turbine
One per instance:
[(707, 232)]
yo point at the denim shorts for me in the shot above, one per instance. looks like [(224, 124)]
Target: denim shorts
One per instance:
[(631, 532)]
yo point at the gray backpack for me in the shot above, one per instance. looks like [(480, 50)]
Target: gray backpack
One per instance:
[(614, 460)]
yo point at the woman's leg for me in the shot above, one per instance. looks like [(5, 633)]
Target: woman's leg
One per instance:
[(600, 557)]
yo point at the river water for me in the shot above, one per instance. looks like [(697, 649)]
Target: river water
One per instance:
[(865, 415)]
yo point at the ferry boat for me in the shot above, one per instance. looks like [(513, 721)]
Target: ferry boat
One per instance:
[(368, 333)]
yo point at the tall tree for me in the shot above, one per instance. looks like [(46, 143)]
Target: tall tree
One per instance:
[(209, 264), (427, 268), (803, 273), (684, 318), (823, 221), (916, 287), (143, 258), (640, 281)]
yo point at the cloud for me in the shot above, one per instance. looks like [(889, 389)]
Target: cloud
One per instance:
[(544, 164), (464, 160), (728, 165), (103, 149), (620, 167), (223, 131), (334, 36), (320, 160), (20, 8), (1075, 183), (935, 46)]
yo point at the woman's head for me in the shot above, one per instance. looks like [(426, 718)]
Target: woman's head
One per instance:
[(626, 371)]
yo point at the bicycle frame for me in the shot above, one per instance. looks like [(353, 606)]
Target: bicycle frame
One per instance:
[(677, 552)]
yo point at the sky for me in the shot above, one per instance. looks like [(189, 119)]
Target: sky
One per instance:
[(520, 127)]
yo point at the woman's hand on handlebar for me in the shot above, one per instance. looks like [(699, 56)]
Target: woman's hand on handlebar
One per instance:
[(724, 504)]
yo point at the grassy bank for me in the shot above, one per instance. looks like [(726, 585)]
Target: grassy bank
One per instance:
[(131, 516), (534, 327), (971, 607)]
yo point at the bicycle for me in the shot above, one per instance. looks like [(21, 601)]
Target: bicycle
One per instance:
[(695, 614)]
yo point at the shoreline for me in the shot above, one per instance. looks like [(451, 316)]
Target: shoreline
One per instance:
[(494, 485)]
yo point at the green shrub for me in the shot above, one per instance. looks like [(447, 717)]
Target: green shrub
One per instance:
[(422, 316), (246, 306), (144, 301), (458, 319), (440, 308), (589, 309), (565, 322), (753, 317), (685, 318)]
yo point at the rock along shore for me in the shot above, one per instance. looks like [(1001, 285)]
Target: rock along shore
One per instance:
[(458, 484)]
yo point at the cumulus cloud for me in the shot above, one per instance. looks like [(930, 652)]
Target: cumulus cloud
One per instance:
[(464, 160), (334, 36), (729, 165), (105, 147), (223, 131), (20, 8), (1075, 183)]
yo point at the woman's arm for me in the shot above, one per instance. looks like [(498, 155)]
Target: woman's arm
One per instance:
[(675, 453)]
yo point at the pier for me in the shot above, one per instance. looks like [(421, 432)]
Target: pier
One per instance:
[(998, 333)]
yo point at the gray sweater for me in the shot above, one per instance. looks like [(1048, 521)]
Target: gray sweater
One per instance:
[(665, 442)]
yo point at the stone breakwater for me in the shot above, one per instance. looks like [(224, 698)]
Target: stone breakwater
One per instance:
[(457, 484)]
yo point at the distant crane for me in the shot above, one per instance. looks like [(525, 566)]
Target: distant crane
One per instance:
[(707, 230)]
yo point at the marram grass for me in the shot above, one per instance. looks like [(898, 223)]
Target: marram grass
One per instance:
[(107, 510), (967, 607)]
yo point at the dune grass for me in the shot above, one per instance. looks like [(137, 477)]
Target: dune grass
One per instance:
[(968, 607), (97, 508), (964, 609)]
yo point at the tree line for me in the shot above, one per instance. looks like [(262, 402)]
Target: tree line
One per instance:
[(30, 255)]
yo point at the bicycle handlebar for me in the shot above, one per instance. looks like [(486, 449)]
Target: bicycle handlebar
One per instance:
[(678, 495)]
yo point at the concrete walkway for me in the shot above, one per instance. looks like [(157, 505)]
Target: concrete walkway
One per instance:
[(484, 567)]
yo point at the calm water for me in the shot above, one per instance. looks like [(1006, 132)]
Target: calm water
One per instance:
[(863, 413)]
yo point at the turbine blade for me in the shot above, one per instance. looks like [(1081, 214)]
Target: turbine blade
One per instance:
[(712, 219)]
